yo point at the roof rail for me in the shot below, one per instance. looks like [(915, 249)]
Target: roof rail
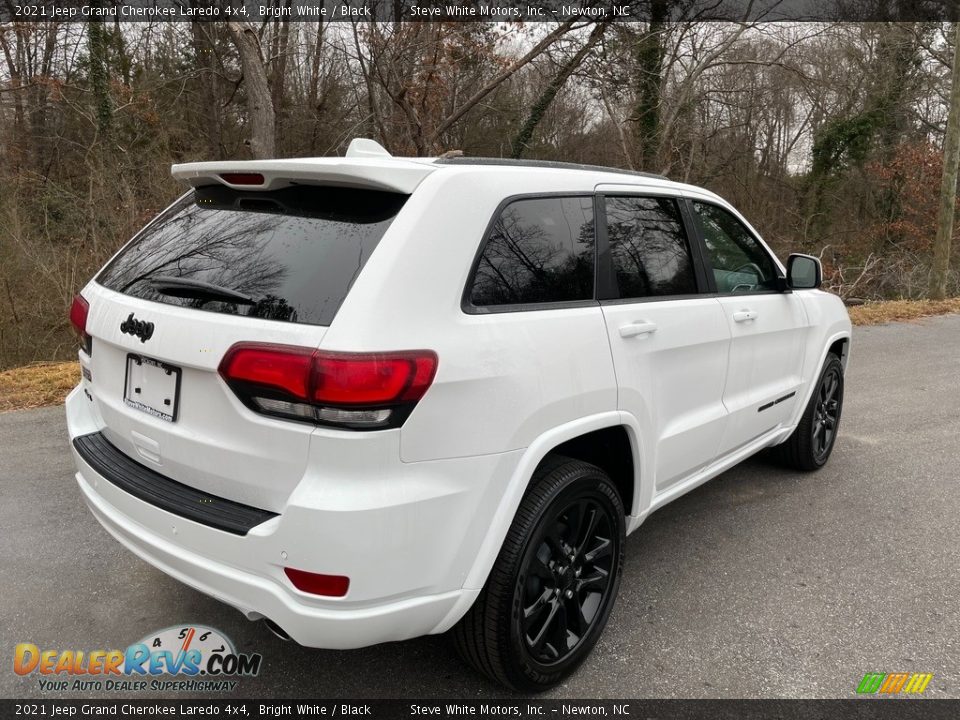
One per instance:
[(543, 164)]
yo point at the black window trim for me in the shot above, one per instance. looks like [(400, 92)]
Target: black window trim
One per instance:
[(705, 253), (466, 304), (698, 248)]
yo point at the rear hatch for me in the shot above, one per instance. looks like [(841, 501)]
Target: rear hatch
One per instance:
[(224, 264)]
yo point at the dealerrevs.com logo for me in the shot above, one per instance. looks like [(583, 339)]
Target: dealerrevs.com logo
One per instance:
[(188, 658)]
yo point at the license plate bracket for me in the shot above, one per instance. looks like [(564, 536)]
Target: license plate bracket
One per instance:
[(152, 387)]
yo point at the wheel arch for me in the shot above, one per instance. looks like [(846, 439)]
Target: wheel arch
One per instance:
[(837, 343), (546, 444), (610, 449), (603, 425), (839, 347)]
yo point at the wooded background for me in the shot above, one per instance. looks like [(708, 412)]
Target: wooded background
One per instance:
[(828, 137)]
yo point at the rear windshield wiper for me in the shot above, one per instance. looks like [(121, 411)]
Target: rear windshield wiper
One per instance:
[(197, 289)]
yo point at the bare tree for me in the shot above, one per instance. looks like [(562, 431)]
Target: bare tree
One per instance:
[(771, 115), (650, 53), (542, 103), (471, 102), (948, 186), (260, 112)]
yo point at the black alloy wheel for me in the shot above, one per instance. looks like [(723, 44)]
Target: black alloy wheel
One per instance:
[(810, 445), (567, 578), (826, 412), (554, 583)]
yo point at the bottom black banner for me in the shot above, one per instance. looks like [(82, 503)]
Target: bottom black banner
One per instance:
[(635, 709)]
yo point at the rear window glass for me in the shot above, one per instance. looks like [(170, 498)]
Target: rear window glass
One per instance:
[(289, 254), (540, 250)]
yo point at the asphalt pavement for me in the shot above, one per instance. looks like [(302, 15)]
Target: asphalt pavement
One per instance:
[(761, 583)]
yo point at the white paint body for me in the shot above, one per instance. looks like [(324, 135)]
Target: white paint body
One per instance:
[(415, 516)]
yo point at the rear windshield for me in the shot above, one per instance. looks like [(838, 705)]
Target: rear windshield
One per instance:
[(289, 254)]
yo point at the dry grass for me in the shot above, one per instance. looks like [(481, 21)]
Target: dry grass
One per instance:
[(877, 313), (44, 384), (37, 385)]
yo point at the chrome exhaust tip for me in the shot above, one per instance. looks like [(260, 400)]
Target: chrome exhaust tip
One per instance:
[(276, 630)]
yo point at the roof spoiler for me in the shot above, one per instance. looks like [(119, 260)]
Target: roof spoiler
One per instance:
[(367, 165)]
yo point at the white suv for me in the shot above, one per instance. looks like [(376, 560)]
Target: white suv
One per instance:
[(370, 398)]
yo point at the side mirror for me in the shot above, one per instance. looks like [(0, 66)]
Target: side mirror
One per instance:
[(803, 272)]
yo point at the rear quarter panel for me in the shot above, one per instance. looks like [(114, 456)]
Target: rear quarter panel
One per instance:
[(503, 378)]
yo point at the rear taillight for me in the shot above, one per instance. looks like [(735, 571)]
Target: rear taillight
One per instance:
[(372, 378), (78, 318), (361, 391)]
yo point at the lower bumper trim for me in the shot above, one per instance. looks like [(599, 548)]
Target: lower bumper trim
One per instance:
[(162, 492)]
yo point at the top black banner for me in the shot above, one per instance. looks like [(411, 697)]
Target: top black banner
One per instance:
[(578, 11)]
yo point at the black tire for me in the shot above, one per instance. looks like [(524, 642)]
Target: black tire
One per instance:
[(810, 445), (530, 591)]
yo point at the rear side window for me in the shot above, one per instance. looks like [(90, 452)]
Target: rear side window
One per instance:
[(289, 254), (648, 247), (540, 250)]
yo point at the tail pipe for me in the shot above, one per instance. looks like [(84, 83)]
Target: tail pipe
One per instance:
[(276, 629)]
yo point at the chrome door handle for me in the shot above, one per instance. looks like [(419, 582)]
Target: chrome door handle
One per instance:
[(744, 315), (638, 328)]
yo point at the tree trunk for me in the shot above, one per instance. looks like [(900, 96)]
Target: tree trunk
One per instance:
[(948, 186), (279, 76), (542, 104), (313, 90), (18, 137), (650, 55), (99, 76), (260, 115), (375, 116), (208, 115)]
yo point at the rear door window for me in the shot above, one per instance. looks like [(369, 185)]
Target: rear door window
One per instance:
[(290, 254), (648, 247), (540, 250)]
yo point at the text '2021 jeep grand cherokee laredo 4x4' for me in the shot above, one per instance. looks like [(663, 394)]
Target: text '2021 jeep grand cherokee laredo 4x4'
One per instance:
[(370, 398)]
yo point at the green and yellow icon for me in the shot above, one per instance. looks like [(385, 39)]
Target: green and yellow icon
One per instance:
[(893, 683)]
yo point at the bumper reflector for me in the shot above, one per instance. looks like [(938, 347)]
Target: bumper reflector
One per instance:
[(317, 584)]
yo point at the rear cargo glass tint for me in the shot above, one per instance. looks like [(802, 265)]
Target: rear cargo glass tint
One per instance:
[(289, 254)]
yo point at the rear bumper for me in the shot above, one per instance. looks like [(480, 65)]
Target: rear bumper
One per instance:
[(258, 597), (407, 552)]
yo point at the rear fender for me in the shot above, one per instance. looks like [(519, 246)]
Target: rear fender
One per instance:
[(517, 487)]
